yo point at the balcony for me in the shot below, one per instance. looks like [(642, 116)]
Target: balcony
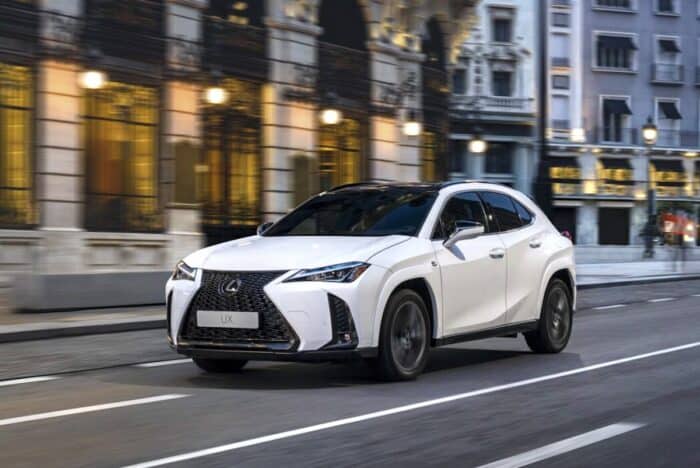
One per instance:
[(496, 104), (632, 137), (667, 73), (617, 136)]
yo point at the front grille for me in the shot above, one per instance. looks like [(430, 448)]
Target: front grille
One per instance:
[(273, 333)]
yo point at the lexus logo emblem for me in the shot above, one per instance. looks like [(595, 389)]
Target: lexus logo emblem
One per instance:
[(232, 286)]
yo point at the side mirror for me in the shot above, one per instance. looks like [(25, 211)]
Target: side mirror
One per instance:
[(465, 230), (264, 227)]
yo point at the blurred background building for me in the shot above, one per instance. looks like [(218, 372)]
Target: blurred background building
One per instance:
[(614, 64), (132, 132), (494, 96)]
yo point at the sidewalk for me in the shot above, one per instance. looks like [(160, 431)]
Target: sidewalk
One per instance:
[(16, 326)]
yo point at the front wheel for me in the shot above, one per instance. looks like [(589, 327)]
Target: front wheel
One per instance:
[(554, 329), (404, 339), (219, 366)]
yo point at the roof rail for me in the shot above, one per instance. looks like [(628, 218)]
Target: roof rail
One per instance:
[(354, 184)]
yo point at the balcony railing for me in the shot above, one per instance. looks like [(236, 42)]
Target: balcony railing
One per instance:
[(617, 136), (666, 73), (632, 136), (493, 103)]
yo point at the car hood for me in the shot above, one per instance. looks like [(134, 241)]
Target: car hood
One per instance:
[(289, 252)]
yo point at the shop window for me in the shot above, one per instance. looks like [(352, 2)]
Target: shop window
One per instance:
[(430, 150), (122, 155), (340, 153), (232, 158), (305, 177), (186, 154), (565, 176), (16, 197)]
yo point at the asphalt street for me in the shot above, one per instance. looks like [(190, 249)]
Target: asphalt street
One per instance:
[(626, 392)]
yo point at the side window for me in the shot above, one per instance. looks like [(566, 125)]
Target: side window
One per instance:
[(524, 213), (501, 207), (464, 206)]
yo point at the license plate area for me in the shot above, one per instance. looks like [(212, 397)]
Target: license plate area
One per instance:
[(228, 319)]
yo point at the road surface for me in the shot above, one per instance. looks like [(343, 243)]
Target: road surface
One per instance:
[(626, 392)]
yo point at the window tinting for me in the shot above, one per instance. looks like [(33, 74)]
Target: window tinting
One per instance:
[(371, 212), (524, 213), (460, 208), (502, 208)]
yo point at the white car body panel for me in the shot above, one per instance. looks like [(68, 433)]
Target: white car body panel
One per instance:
[(468, 289)]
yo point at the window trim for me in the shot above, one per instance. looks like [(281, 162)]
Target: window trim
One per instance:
[(676, 9), (633, 8)]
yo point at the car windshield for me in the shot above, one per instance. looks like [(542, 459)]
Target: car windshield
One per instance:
[(358, 212)]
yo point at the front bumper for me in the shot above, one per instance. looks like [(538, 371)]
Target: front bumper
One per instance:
[(304, 311), (208, 352)]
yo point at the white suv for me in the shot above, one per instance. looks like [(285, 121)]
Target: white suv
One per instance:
[(379, 271)]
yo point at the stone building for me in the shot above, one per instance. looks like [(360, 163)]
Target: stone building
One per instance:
[(135, 131)]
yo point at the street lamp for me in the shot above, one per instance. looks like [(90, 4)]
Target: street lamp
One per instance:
[(331, 115), (650, 133), (412, 126), (477, 144)]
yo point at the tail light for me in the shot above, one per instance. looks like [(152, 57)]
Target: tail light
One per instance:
[(568, 235)]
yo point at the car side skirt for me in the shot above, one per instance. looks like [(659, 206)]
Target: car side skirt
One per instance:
[(500, 331)]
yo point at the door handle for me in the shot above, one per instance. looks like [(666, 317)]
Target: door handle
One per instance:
[(497, 253), (535, 243)]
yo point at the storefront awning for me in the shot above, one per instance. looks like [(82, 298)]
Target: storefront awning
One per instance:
[(615, 163), (669, 45), (616, 106), (670, 110), (617, 42)]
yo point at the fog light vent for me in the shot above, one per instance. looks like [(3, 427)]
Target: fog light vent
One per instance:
[(344, 332)]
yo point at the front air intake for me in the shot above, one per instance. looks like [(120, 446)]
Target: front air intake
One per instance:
[(344, 334)]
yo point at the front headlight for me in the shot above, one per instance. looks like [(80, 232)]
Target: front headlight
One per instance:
[(341, 273), (184, 272)]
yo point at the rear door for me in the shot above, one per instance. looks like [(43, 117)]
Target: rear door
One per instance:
[(526, 258), (473, 271)]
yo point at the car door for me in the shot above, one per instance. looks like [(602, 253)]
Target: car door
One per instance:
[(473, 271), (525, 256)]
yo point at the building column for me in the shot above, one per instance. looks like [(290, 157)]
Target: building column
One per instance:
[(385, 130), (476, 164), (524, 160), (182, 132), (638, 215), (587, 224), (290, 117), (410, 147)]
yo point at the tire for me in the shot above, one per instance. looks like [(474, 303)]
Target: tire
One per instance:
[(556, 317), (219, 366), (404, 339)]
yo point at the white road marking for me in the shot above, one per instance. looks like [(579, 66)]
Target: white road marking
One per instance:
[(613, 306), (403, 409), (564, 446), (164, 363), (89, 409), (662, 299), (696, 295), (7, 383)]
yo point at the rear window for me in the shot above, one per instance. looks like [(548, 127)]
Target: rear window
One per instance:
[(524, 213), (502, 208)]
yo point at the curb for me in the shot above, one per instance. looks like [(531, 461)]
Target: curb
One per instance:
[(631, 282), (81, 330)]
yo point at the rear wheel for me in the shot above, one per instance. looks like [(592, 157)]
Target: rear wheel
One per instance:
[(554, 329), (219, 366), (404, 338)]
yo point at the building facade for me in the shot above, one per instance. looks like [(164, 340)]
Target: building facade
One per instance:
[(615, 64), (135, 131), (494, 96)]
